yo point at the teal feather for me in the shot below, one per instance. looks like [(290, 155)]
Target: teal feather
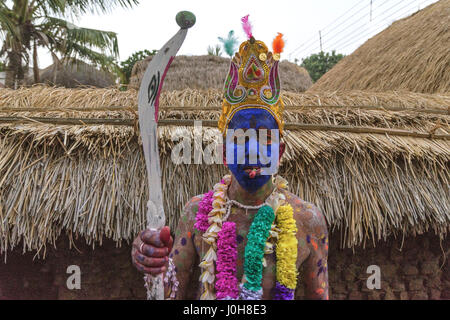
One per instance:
[(229, 43)]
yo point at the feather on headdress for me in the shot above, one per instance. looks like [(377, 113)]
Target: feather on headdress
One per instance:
[(278, 44), (253, 81), (229, 43), (247, 26)]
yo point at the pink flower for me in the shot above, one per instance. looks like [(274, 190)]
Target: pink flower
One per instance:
[(204, 207), (226, 281)]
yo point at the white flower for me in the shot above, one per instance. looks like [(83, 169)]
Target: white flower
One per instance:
[(207, 277), (214, 228), (218, 203), (280, 182), (219, 194), (276, 200), (215, 219), (209, 240), (207, 266), (227, 179), (217, 211), (207, 295), (210, 255), (268, 248)]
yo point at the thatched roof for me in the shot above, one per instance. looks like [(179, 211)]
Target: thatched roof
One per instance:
[(205, 72), (376, 164), (412, 54), (71, 75)]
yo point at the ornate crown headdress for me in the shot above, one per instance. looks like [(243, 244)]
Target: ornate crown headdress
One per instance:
[(253, 81)]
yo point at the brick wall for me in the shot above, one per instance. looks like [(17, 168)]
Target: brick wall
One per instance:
[(106, 273), (418, 271)]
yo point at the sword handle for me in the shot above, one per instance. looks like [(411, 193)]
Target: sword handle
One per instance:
[(155, 287), (154, 284)]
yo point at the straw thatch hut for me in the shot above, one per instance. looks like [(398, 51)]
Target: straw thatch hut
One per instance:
[(72, 185), (72, 75), (205, 72), (412, 54)]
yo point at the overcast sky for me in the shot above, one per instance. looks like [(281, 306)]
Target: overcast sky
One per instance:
[(344, 24)]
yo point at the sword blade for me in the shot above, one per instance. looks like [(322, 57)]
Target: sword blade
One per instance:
[(148, 103)]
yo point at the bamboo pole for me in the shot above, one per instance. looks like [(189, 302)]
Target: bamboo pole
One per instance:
[(212, 123), (218, 108)]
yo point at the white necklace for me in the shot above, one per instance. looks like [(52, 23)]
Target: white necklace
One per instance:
[(229, 203), (222, 206)]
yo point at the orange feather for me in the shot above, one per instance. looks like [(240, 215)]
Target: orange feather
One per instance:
[(278, 43)]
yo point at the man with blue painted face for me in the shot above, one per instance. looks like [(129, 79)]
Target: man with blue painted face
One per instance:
[(249, 237)]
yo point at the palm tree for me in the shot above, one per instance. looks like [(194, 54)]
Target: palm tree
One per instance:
[(26, 25)]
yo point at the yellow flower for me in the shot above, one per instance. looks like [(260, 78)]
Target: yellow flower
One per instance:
[(217, 211), (208, 295), (280, 182), (219, 195), (215, 219), (286, 247)]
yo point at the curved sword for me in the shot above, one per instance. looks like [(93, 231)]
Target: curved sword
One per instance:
[(148, 104)]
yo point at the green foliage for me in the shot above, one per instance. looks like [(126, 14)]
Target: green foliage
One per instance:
[(215, 51), (318, 64), (127, 65), (26, 25)]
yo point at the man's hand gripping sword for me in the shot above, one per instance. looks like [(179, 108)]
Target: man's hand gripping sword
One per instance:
[(148, 104)]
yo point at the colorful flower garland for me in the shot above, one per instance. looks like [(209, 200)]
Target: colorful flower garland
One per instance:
[(204, 207), (221, 236), (214, 217), (254, 253), (286, 253), (227, 283)]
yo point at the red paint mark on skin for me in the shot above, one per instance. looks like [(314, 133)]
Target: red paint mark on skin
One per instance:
[(189, 234), (326, 247), (314, 244), (312, 274), (298, 201), (319, 291)]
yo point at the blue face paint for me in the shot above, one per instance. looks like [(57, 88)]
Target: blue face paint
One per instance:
[(251, 153)]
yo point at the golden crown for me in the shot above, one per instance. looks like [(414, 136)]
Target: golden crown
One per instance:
[(253, 82)]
